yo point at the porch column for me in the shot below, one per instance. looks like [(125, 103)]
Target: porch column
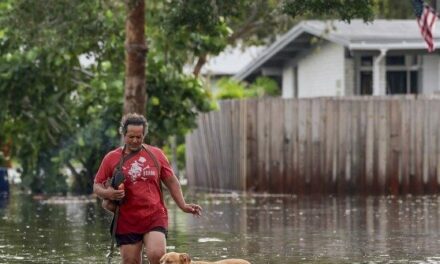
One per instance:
[(288, 83), (378, 69)]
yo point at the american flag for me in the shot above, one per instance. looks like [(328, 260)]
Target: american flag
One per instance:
[(426, 18)]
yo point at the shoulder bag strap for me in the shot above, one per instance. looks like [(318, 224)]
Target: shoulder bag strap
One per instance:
[(153, 157), (159, 168), (125, 158), (108, 182), (120, 163), (121, 160)]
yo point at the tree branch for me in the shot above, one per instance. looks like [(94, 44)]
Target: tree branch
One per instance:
[(200, 62), (72, 169)]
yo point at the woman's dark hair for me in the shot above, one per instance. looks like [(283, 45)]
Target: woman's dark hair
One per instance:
[(133, 119)]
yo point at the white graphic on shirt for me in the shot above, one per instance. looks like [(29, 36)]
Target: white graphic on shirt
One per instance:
[(140, 170), (135, 171)]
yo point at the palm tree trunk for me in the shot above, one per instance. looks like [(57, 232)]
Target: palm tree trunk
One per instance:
[(135, 95)]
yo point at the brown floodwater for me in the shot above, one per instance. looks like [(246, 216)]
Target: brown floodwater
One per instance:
[(262, 229)]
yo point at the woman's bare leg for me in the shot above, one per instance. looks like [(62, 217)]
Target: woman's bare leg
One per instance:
[(155, 246)]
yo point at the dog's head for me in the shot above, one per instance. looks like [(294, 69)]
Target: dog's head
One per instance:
[(175, 258)]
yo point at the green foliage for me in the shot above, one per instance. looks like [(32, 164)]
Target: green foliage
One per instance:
[(229, 88), (181, 149), (2, 159), (49, 96), (263, 86), (174, 100), (180, 152), (34, 114), (343, 9), (396, 9), (187, 30), (62, 116)]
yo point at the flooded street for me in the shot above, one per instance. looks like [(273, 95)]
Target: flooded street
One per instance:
[(262, 229)]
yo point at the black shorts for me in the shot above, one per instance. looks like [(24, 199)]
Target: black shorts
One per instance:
[(133, 238)]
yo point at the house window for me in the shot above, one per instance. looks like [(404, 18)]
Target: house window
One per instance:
[(366, 75), (395, 60), (401, 73), (414, 75), (366, 61), (396, 82), (366, 83), (402, 82)]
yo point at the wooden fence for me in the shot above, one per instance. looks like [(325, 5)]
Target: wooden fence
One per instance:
[(356, 145)]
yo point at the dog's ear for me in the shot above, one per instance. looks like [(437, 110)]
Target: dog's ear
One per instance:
[(184, 258)]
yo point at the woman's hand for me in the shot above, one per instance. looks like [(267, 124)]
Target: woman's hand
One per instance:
[(194, 209), (113, 194), (173, 185)]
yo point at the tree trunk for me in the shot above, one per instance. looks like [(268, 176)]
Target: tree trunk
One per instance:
[(135, 95), (6, 149), (200, 62)]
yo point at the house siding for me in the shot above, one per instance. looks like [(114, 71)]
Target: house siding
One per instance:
[(349, 76), (430, 74), (321, 72), (288, 82)]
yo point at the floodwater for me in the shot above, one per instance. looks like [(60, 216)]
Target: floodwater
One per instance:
[(262, 229)]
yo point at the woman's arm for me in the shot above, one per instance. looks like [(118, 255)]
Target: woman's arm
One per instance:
[(107, 192), (173, 185)]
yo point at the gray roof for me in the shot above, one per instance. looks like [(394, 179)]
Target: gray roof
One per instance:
[(357, 35)]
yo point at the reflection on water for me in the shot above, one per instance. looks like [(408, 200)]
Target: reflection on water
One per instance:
[(4, 199), (260, 229)]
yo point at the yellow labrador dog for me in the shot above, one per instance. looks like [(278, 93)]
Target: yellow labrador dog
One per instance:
[(183, 258)]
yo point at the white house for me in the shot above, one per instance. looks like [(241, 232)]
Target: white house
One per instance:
[(228, 63), (335, 58)]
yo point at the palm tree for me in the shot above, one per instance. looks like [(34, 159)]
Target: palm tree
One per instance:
[(135, 95)]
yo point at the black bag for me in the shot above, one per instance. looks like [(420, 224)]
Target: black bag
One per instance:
[(117, 178)]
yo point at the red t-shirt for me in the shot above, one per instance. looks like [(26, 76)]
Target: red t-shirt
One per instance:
[(142, 207)]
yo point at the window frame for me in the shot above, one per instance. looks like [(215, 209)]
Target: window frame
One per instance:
[(412, 63)]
